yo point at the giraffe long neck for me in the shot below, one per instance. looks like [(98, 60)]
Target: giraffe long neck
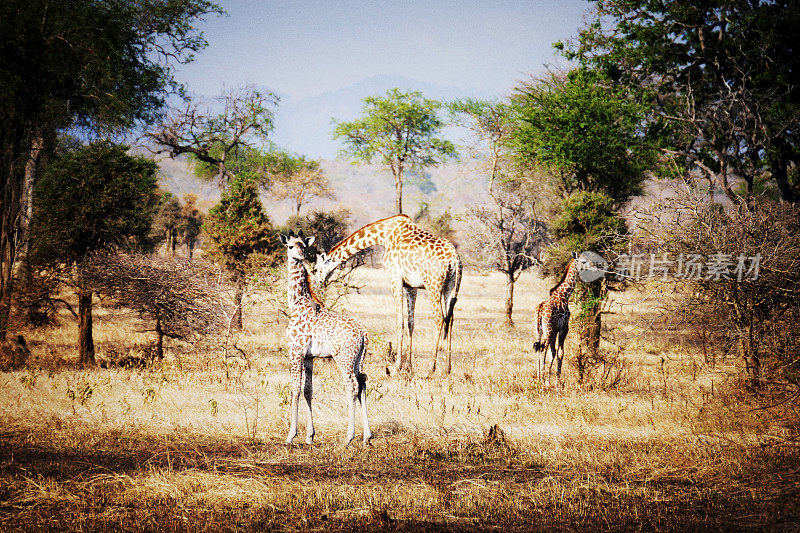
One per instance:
[(564, 289), (298, 289), (370, 235)]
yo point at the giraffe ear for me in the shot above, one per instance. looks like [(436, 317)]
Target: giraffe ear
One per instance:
[(574, 255), (285, 238), (300, 234), (310, 240)]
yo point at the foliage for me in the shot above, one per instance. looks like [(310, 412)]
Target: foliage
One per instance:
[(167, 222), (240, 236), (299, 179), (175, 295), (757, 315), (588, 222), (103, 66), (224, 137), (192, 222), (329, 227), (441, 225), (90, 199), (721, 77), (586, 130), (400, 130)]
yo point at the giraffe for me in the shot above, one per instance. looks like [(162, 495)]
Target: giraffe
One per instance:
[(552, 321), (414, 259), (314, 332)]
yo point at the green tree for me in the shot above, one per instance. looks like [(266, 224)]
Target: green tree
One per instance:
[(586, 130), (102, 65), (299, 179), (399, 129), (240, 236), (721, 78), (192, 223), (88, 200), (167, 223)]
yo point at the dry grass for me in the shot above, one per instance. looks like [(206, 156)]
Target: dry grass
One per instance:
[(194, 443)]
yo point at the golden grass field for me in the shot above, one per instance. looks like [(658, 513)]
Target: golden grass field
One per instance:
[(195, 443)]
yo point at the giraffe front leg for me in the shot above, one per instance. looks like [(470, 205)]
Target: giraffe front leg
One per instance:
[(295, 387), (397, 293), (308, 392)]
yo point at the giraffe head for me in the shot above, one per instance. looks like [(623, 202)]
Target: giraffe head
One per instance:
[(324, 268), (298, 247)]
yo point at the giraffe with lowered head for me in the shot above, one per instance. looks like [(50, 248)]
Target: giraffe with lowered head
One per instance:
[(415, 259), (314, 332), (552, 321)]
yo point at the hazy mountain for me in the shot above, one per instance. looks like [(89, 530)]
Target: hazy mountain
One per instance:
[(304, 125)]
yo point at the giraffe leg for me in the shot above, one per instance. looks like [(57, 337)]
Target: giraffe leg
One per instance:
[(436, 306), (308, 392), (351, 397), (561, 336), (295, 386), (397, 292), (545, 329), (362, 388), (411, 302), (551, 346)]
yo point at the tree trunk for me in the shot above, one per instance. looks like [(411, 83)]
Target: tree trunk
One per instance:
[(159, 338), (10, 205), (590, 322), (85, 340), (26, 213), (237, 301), (780, 173), (398, 190), (509, 298)]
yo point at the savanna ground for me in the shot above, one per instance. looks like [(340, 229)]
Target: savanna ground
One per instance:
[(195, 442)]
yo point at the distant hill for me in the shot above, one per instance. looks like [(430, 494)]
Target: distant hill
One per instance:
[(304, 125)]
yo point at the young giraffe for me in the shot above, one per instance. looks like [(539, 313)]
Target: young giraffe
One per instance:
[(313, 332), (415, 259), (552, 321)]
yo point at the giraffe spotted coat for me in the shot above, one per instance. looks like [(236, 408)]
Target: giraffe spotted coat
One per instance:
[(552, 322), (315, 332), (415, 259)]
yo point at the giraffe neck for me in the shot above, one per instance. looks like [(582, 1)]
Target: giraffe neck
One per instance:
[(298, 290), (563, 291), (378, 232)]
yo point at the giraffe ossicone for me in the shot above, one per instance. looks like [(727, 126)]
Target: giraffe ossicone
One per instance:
[(315, 332)]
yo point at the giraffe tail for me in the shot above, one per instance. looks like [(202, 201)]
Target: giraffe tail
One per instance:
[(448, 318)]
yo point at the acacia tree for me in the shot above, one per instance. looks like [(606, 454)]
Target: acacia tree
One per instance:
[(100, 66), (506, 236), (299, 179), (91, 199), (176, 296), (222, 136), (240, 236), (721, 78), (588, 132), (399, 129)]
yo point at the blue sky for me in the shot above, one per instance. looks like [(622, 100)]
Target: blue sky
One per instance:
[(305, 48)]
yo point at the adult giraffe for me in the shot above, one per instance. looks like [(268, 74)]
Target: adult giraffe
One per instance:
[(552, 321), (415, 259)]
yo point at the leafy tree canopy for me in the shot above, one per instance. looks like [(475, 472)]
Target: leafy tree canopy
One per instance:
[(585, 129), (401, 131), (93, 198)]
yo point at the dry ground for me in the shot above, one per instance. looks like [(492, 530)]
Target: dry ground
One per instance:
[(195, 442)]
